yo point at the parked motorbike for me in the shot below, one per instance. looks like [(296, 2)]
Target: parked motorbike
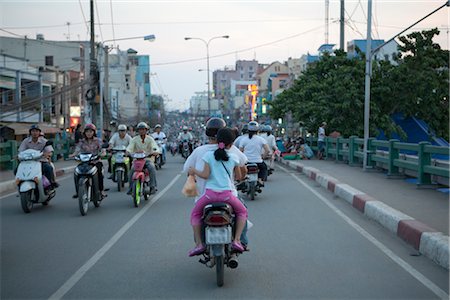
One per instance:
[(251, 186), (120, 166), (185, 151), (140, 179), (217, 232), (88, 181), (33, 186)]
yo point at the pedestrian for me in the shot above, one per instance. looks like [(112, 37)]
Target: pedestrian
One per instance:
[(321, 140), (78, 134)]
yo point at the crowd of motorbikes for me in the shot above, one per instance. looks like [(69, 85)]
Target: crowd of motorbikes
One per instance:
[(218, 218)]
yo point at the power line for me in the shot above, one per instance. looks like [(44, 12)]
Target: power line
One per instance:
[(84, 17), (243, 50), (112, 22), (42, 26), (98, 18)]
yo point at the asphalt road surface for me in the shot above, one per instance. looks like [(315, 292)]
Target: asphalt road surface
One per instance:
[(304, 244)]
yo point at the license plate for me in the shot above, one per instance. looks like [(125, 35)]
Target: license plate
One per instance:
[(218, 235), (252, 177)]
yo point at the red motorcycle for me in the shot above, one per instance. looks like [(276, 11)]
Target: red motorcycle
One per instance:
[(140, 179)]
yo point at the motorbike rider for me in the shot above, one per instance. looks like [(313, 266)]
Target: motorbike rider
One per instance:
[(195, 160), (143, 142), (120, 138), (244, 132), (266, 133), (185, 136), (252, 146), (90, 144), (218, 170), (36, 141), (161, 136)]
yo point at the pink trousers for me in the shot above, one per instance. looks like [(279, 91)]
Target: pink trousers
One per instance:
[(211, 196)]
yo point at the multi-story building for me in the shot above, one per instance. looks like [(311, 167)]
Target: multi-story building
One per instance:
[(387, 52)]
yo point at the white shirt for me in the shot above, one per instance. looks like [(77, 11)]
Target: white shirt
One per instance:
[(117, 141), (160, 136), (237, 141), (185, 136), (253, 148), (321, 134), (196, 161), (270, 139)]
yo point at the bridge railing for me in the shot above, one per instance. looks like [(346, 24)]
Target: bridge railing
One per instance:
[(396, 157)]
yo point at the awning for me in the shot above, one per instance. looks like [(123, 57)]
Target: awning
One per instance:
[(23, 128)]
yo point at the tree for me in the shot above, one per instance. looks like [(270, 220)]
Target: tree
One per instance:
[(332, 90)]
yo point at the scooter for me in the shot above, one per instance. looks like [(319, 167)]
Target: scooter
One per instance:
[(217, 232), (160, 158), (251, 186), (88, 182), (33, 186), (185, 151), (120, 166), (140, 179)]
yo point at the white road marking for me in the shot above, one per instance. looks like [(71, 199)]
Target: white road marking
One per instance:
[(70, 283), (407, 267)]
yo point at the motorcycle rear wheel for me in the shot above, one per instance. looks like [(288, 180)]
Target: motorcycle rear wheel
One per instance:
[(252, 191), (25, 201), (83, 198), (219, 270)]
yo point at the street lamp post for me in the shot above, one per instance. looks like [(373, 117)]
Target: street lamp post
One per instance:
[(207, 62)]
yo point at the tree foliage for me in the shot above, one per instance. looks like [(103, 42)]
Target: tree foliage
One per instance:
[(332, 90)]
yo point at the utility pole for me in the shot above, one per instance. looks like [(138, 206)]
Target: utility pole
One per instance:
[(93, 67), (367, 83), (342, 41), (327, 13)]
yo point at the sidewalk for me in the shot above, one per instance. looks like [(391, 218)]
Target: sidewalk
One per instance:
[(418, 216), (7, 179)]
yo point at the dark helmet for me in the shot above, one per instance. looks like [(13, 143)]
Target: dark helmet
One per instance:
[(34, 126), (245, 129), (213, 125)]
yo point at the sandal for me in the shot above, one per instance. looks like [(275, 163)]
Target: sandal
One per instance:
[(197, 250), (237, 246)]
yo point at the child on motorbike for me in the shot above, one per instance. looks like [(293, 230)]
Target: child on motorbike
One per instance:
[(218, 172)]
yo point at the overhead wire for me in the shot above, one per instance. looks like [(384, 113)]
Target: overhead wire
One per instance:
[(98, 19), (112, 22), (84, 18)]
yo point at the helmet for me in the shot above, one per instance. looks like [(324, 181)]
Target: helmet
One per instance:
[(263, 128), (34, 126), (245, 129), (157, 126), (269, 128), (90, 126), (253, 126), (185, 128), (213, 125), (122, 127), (142, 125)]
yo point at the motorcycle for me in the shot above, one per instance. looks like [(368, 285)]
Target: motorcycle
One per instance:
[(140, 179), (217, 231), (251, 186), (160, 159), (185, 151), (120, 166), (33, 186), (88, 181), (174, 149)]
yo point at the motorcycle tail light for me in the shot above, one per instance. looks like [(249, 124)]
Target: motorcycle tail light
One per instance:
[(252, 170), (217, 219)]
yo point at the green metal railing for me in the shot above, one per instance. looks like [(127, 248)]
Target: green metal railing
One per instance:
[(387, 153)]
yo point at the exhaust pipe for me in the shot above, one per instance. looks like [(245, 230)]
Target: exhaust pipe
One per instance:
[(233, 262)]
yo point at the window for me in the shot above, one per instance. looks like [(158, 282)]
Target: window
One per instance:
[(49, 60), (250, 68), (146, 78)]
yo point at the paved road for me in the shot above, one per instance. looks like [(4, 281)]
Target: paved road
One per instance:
[(305, 244)]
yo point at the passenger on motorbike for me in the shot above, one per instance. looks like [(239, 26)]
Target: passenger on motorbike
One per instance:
[(120, 138), (252, 146), (185, 136), (143, 143), (266, 133), (161, 136), (37, 142), (244, 132), (195, 160), (219, 168), (90, 144)]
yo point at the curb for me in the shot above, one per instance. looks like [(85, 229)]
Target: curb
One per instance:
[(10, 185), (428, 241)]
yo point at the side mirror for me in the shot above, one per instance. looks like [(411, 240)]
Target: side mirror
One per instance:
[(48, 143)]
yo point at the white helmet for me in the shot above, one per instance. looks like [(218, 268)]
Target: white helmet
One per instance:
[(122, 127), (185, 128), (142, 125)]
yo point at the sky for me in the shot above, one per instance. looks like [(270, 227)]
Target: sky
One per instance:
[(265, 30)]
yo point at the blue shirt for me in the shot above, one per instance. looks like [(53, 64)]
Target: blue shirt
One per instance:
[(219, 180)]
